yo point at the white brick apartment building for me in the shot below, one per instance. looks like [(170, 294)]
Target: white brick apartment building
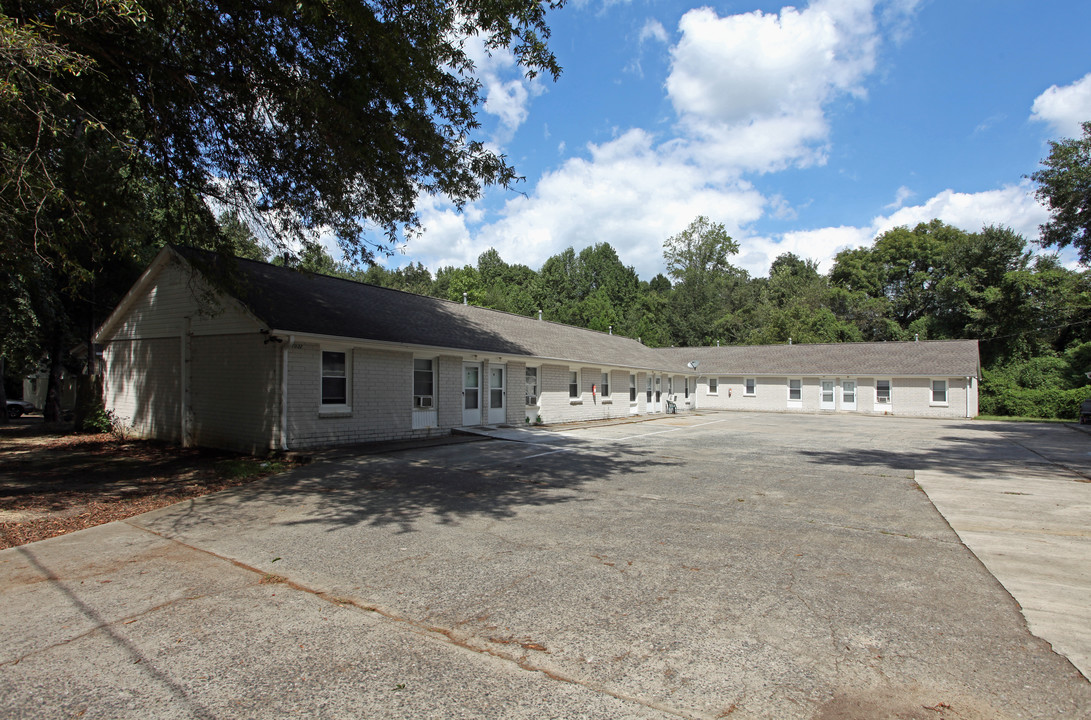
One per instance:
[(284, 359)]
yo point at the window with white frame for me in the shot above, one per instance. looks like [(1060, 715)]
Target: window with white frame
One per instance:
[(424, 383), (649, 391), (605, 389), (795, 390), (335, 379), (713, 386), (750, 387), (882, 392), (532, 386), (574, 383), (939, 392), (632, 388)]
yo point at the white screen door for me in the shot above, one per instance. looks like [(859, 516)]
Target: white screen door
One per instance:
[(471, 394), (497, 394), (826, 402), (848, 395)]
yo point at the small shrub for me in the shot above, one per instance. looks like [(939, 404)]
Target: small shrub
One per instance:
[(1046, 403), (122, 428), (99, 420)]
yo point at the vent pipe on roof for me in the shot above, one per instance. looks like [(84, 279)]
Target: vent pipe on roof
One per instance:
[(916, 337), (539, 315), (717, 343), (789, 341), (611, 329), (465, 299)]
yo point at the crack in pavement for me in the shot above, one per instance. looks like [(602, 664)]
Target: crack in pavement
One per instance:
[(467, 642)]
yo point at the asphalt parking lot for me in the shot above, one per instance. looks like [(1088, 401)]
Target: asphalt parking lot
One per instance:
[(698, 566)]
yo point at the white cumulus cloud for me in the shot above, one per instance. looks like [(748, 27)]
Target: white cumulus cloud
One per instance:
[(628, 192), (751, 93), (507, 92), (1065, 107), (750, 89), (1011, 206)]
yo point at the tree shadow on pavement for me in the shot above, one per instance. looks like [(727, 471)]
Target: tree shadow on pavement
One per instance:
[(491, 479), (990, 449)]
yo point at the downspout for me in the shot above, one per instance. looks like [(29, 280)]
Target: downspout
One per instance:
[(284, 393)]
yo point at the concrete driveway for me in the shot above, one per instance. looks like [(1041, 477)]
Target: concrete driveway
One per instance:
[(700, 566)]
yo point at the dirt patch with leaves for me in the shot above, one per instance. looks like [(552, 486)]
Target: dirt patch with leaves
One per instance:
[(54, 482)]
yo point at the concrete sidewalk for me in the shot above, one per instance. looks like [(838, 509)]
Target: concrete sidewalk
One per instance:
[(117, 622), (1030, 524)]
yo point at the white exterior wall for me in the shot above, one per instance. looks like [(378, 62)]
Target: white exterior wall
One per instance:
[(36, 386), (449, 391), (380, 407), (174, 293), (176, 344), (556, 406), (142, 386), (515, 402), (909, 396), (913, 396), (234, 392), (381, 393)]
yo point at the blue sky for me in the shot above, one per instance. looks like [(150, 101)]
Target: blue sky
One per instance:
[(802, 129)]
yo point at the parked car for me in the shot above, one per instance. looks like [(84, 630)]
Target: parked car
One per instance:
[(17, 408), (1085, 412)]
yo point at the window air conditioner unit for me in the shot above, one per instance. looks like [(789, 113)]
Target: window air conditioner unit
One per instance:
[(532, 399), (426, 402)]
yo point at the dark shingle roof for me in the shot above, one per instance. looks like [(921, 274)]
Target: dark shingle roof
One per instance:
[(290, 300), (938, 358), (293, 301)]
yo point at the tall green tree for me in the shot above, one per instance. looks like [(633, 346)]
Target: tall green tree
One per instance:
[(559, 285), (301, 115), (697, 260), (507, 287), (1064, 185)]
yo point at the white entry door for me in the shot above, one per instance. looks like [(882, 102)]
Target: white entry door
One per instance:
[(826, 400), (497, 394), (658, 407), (471, 394), (848, 394)]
